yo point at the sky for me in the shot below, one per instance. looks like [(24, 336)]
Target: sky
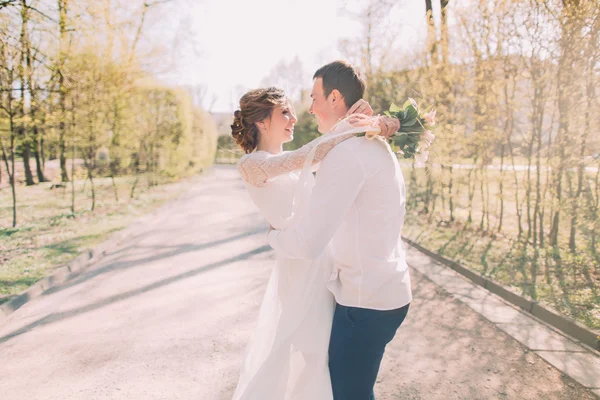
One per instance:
[(231, 45)]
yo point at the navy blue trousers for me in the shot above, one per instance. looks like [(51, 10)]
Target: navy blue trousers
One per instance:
[(356, 347)]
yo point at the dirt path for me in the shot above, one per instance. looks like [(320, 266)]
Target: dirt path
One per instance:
[(168, 314)]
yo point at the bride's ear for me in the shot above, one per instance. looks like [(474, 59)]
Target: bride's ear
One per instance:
[(262, 125)]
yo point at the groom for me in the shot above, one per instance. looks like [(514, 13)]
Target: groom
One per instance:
[(357, 203)]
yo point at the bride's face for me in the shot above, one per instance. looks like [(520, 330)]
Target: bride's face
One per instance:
[(280, 127)]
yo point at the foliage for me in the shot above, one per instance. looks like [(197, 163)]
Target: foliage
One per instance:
[(75, 84), (515, 160)]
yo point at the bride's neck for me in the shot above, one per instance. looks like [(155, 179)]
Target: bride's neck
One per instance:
[(273, 148)]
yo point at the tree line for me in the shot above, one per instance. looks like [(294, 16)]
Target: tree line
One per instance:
[(515, 84), (75, 84), (515, 159)]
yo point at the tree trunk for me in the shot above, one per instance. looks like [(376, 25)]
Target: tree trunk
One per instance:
[(564, 80), (590, 97), (73, 130), (428, 8), (538, 124), (36, 132), (442, 187), (13, 182), (10, 170), (471, 190), (428, 193), (431, 35), (62, 126), (528, 187), (517, 205), (595, 211), (482, 198), (135, 182), (136, 166), (24, 66), (413, 184), (26, 160), (501, 189), (444, 31), (114, 161), (43, 152), (90, 175), (37, 154), (91, 178), (451, 194), (487, 194), (114, 185), (73, 179)]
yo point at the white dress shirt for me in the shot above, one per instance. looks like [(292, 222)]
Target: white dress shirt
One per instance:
[(357, 204)]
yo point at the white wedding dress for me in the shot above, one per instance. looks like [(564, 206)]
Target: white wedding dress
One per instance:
[(286, 358)]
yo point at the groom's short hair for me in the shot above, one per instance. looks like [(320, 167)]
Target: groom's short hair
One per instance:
[(341, 75)]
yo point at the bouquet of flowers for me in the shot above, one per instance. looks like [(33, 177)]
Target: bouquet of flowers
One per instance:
[(415, 134)]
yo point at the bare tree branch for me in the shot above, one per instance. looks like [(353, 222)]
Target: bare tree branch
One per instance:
[(6, 3), (41, 13)]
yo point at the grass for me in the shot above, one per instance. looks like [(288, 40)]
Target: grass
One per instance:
[(48, 235), (553, 276)]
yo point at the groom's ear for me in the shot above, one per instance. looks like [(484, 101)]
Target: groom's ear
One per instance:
[(336, 98)]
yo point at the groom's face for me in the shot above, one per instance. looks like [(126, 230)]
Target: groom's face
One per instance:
[(322, 107)]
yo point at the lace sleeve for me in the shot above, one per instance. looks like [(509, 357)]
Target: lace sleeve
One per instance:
[(258, 167)]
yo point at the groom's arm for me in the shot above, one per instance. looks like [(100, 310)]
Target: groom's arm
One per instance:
[(338, 182)]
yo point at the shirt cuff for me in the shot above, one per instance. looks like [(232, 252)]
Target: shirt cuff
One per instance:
[(272, 238)]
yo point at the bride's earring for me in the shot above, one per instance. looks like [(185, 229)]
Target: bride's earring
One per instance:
[(265, 128)]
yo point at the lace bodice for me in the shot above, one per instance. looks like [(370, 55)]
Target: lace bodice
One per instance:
[(259, 167), (273, 179)]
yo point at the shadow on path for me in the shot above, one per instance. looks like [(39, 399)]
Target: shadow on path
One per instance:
[(176, 250), (54, 317)]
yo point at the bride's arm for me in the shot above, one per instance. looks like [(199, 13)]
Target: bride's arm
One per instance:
[(258, 167)]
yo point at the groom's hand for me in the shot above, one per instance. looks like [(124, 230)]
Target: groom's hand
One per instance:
[(360, 107)]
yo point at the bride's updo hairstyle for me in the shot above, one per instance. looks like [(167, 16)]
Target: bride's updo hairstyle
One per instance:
[(255, 106)]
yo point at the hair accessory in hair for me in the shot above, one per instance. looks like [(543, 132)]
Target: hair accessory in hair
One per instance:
[(238, 122)]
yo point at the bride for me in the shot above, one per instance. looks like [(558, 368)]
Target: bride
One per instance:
[(287, 355)]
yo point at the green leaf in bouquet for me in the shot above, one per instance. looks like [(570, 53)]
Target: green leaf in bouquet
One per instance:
[(411, 112), (409, 150), (394, 108), (387, 114), (413, 130), (401, 140), (409, 122)]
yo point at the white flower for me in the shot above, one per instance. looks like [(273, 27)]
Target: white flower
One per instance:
[(428, 137), (422, 156), (430, 117)]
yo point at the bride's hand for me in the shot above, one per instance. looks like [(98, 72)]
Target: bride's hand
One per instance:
[(388, 126), (362, 120), (360, 107)]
